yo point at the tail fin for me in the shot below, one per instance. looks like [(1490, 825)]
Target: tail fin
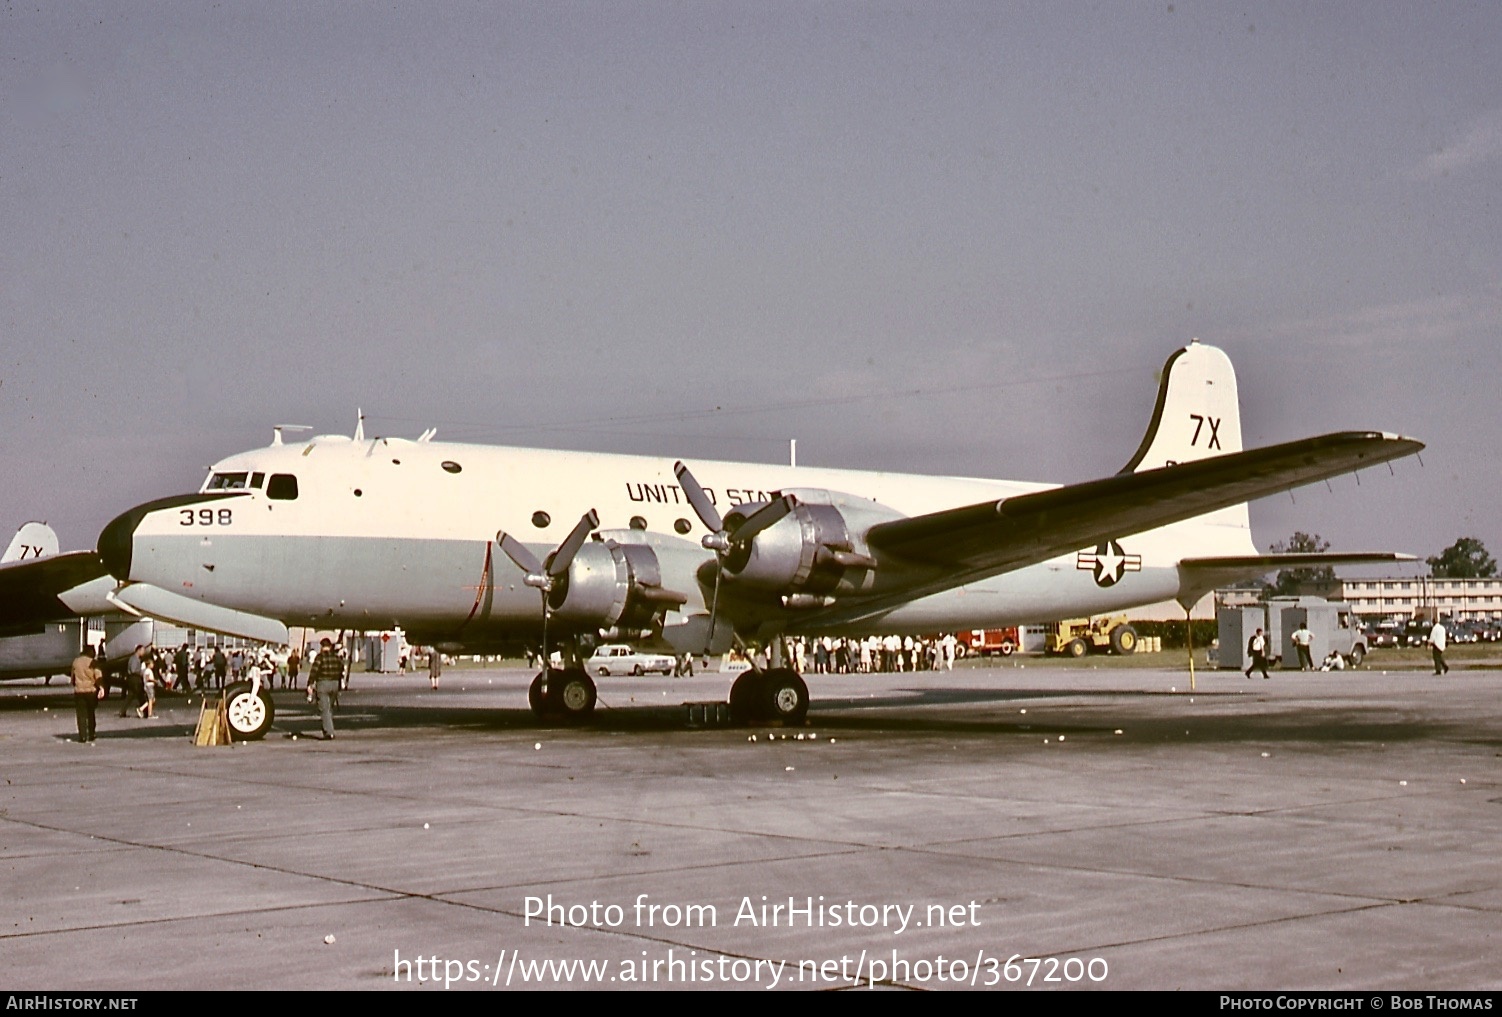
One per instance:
[(1198, 414), (32, 540)]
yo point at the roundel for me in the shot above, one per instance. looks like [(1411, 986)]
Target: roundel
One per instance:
[(1108, 563)]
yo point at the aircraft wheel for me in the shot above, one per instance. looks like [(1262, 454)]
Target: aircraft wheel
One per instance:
[(535, 698), (745, 699), (250, 716), (1124, 640), (572, 694), (784, 696), (1076, 648)]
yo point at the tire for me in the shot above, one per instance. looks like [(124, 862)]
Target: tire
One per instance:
[(784, 696), (637, 671), (250, 716), (1124, 640), (535, 698), (961, 651), (745, 698), (1357, 655), (604, 672), (1076, 648), (572, 694)]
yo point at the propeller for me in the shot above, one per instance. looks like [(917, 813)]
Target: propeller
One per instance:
[(724, 540), (543, 577)]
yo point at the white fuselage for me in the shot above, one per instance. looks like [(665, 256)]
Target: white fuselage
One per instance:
[(391, 532)]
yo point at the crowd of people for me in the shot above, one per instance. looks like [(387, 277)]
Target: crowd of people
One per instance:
[(827, 655)]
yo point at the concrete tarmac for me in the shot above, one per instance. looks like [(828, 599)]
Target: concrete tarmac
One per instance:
[(1324, 831)]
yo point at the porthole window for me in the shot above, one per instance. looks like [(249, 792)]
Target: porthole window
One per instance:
[(541, 519), (449, 466), (638, 523), (359, 493), (683, 525)]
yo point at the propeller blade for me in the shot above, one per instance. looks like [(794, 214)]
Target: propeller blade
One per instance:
[(518, 553), (698, 498), (763, 517), (564, 557)]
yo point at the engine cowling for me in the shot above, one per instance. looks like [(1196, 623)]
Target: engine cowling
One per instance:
[(610, 585), (811, 556)]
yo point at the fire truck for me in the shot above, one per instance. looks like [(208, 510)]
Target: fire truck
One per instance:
[(987, 642)]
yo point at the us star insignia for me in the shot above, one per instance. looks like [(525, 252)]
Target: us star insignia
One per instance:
[(1108, 562)]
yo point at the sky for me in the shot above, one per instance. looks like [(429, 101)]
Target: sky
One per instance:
[(945, 238)]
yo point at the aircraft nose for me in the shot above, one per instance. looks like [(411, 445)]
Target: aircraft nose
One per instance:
[(116, 540)]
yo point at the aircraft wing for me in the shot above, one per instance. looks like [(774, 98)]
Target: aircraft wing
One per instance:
[(959, 546), (30, 589)]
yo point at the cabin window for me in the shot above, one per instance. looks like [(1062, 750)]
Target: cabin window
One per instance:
[(450, 466), (638, 523), (227, 482), (541, 519), (283, 487), (682, 525)]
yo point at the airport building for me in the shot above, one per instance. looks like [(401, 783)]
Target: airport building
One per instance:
[(1416, 597)]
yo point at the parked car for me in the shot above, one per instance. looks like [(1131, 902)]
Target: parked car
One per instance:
[(616, 658)]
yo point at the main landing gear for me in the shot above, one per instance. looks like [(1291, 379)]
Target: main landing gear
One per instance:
[(563, 694), (777, 694)]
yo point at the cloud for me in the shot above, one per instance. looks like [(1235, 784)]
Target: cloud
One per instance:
[(1481, 144)]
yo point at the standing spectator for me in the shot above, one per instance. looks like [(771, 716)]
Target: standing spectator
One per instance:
[(88, 689), (147, 709), (435, 666), (294, 665), (324, 679), (221, 666), (135, 689), (1437, 639), (1303, 639), (184, 681)]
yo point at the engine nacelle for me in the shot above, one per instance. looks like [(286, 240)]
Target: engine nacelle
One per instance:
[(612, 585), (810, 556)]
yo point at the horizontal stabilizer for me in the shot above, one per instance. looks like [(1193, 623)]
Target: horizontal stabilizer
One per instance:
[(158, 603), (1198, 576)]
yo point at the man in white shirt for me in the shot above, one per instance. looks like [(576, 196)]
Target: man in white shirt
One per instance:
[(1437, 638)]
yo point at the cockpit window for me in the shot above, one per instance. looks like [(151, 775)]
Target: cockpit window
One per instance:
[(227, 482), (282, 487), (257, 479)]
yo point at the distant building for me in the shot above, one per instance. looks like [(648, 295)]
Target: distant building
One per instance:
[(1416, 596)]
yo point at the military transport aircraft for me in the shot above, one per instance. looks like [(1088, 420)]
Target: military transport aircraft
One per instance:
[(469, 546)]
